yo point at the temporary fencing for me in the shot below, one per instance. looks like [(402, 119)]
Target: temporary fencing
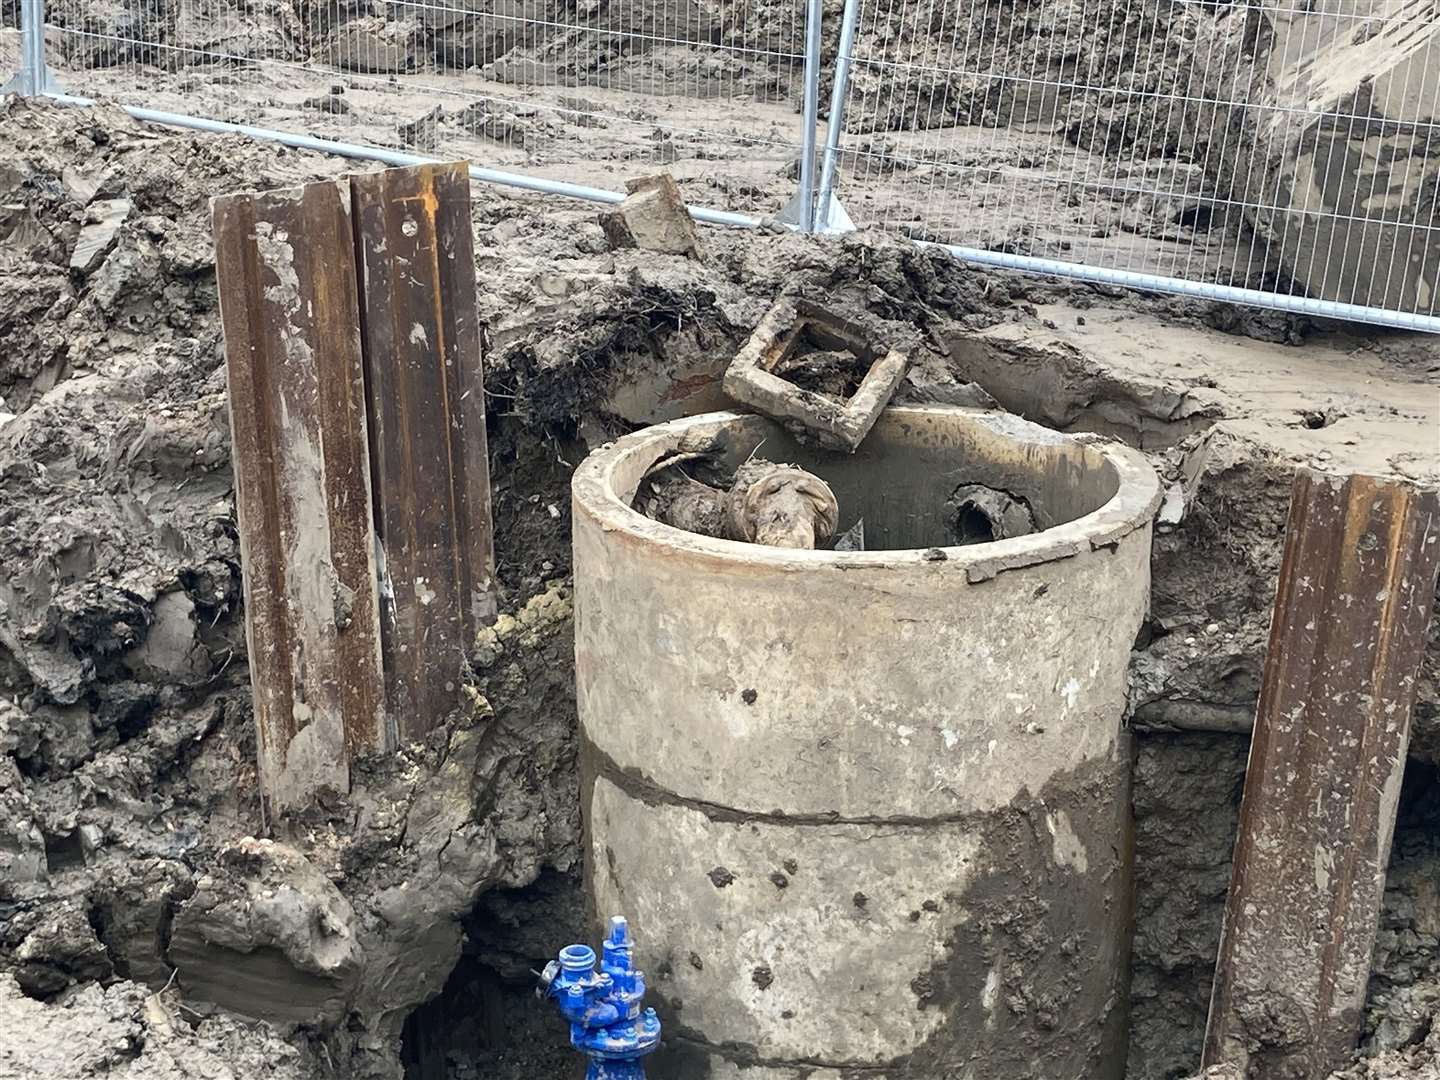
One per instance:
[(1273, 155)]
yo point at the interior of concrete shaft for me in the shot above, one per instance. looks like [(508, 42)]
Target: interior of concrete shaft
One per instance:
[(920, 480)]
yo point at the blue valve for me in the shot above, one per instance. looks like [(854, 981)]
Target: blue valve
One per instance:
[(603, 1007)]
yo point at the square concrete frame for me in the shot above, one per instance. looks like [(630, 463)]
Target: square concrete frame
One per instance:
[(751, 380)]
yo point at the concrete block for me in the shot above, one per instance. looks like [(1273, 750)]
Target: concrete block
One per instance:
[(374, 46), (97, 236), (170, 649), (791, 327), (653, 218)]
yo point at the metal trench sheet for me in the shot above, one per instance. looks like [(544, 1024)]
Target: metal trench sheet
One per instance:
[(362, 486), (421, 342), (285, 269), (1326, 762)]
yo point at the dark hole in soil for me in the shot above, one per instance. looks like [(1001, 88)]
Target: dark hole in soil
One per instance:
[(1417, 824), (1315, 419), (62, 852), (14, 678), (487, 1024), (32, 767), (1196, 217), (464, 1024), (134, 719), (485, 1027), (1408, 961)]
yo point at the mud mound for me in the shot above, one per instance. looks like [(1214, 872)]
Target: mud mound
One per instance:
[(1105, 76), (114, 484), (126, 1031), (1101, 74)]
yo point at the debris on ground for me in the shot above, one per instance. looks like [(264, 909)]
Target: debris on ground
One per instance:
[(422, 133), (852, 539), (653, 217), (129, 1032), (327, 103), (103, 219), (762, 503), (836, 373)]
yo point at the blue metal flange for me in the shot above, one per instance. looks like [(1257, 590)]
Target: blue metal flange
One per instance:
[(607, 1024)]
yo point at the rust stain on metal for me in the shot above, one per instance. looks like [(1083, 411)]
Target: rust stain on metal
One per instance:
[(414, 246), (1357, 586), (286, 276)]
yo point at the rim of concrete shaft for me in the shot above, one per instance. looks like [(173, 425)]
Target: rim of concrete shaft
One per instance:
[(596, 486)]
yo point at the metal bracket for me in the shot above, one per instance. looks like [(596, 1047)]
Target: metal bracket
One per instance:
[(793, 215), (23, 85), (829, 219)]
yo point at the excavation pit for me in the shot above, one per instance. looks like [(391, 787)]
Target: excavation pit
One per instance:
[(770, 734)]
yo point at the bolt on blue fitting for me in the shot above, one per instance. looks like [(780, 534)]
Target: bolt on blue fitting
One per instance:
[(607, 1024)]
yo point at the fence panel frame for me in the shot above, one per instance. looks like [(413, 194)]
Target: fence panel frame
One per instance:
[(33, 76)]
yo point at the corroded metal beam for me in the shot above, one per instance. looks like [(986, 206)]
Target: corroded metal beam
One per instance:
[(285, 267), (1357, 585), (414, 247)]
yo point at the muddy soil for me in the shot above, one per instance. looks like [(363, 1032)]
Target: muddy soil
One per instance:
[(1047, 127), (917, 67), (1037, 62), (149, 916)]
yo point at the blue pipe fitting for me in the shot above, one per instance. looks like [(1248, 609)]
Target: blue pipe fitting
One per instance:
[(607, 1024)]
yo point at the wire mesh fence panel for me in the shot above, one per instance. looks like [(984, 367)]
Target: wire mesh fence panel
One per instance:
[(586, 91), (9, 51), (1289, 147)]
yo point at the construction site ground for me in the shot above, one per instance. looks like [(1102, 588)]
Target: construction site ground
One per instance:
[(136, 870)]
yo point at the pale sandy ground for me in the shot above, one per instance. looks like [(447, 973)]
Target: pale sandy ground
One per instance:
[(1379, 393)]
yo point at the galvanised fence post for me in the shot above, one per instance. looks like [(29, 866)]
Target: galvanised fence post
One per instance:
[(33, 78)]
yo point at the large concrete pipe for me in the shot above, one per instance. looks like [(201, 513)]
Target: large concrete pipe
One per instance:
[(869, 811)]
